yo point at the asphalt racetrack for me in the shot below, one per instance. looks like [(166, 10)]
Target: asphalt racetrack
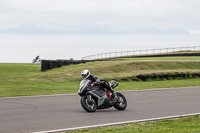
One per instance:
[(44, 113)]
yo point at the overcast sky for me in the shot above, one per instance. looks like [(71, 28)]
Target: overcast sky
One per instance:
[(77, 28), (100, 16)]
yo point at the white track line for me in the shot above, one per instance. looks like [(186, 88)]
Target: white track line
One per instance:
[(119, 123), (161, 89), (71, 94)]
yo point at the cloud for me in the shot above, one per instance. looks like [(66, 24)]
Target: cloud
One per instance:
[(112, 16), (194, 31), (53, 28)]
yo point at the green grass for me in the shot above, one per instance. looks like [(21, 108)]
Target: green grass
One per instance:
[(45, 88), (37, 88), (158, 84), (182, 125), (27, 79)]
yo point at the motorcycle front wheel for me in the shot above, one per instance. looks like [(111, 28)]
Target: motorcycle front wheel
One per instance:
[(88, 106), (122, 103)]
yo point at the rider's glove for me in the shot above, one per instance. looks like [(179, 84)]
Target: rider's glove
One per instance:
[(98, 81), (94, 83)]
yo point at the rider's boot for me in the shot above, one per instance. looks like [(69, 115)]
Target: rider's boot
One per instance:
[(114, 96)]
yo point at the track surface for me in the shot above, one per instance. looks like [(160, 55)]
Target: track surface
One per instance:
[(42, 113)]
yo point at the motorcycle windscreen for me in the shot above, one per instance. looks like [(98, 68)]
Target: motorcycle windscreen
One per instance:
[(83, 85)]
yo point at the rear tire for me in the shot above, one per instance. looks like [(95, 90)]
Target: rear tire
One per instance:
[(122, 104), (89, 107)]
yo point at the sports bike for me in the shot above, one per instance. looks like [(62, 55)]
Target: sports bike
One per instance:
[(97, 97)]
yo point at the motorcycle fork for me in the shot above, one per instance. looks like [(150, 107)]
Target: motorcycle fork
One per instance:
[(89, 98)]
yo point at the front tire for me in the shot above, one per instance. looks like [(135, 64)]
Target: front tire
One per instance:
[(122, 103), (89, 107)]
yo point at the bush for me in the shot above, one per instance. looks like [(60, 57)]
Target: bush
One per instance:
[(190, 76), (134, 78), (149, 79), (157, 78), (164, 79), (161, 76), (170, 78)]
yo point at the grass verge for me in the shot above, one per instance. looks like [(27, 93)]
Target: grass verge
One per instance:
[(182, 125), (49, 88), (27, 80)]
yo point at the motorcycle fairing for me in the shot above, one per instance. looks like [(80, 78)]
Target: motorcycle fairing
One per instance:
[(83, 85), (101, 96)]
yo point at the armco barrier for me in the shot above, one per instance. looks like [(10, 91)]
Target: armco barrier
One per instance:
[(51, 64)]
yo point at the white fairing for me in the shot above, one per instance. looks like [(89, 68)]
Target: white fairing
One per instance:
[(83, 85)]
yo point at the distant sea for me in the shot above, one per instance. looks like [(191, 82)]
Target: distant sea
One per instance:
[(24, 48)]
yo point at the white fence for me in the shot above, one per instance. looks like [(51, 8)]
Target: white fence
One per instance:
[(141, 52)]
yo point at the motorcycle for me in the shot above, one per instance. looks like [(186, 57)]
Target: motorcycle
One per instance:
[(97, 97)]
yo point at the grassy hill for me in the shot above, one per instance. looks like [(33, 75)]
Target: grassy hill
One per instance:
[(27, 79)]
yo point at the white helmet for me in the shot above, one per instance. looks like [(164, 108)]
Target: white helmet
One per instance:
[(85, 74)]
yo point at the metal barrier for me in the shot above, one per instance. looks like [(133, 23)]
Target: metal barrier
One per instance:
[(141, 52)]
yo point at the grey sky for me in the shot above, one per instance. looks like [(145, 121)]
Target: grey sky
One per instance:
[(100, 16)]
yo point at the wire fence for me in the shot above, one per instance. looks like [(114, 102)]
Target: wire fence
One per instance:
[(141, 52)]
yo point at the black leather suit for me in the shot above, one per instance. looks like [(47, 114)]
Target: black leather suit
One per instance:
[(103, 83)]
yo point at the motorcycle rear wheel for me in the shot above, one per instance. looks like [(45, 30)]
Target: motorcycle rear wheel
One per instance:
[(88, 106), (122, 103)]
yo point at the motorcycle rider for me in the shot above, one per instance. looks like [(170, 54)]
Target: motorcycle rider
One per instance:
[(95, 80)]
